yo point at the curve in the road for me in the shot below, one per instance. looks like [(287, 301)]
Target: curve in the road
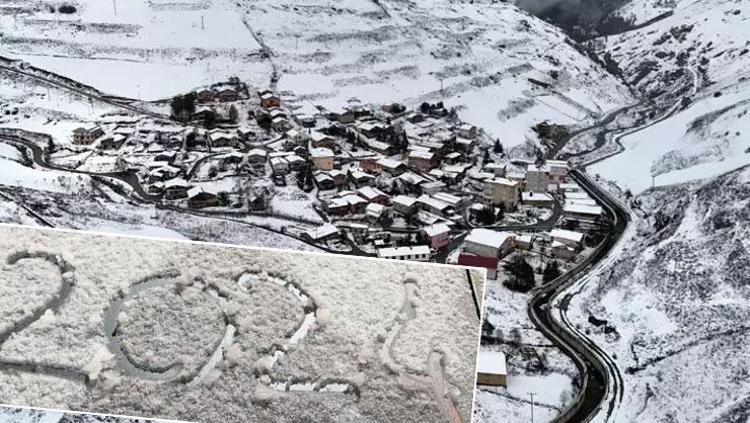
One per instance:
[(601, 380)]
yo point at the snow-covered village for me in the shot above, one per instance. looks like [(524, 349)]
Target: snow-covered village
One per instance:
[(376, 180), (590, 156)]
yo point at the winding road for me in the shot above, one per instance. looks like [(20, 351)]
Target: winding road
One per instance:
[(601, 380)]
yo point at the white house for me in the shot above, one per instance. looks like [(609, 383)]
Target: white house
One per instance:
[(416, 253), (176, 188), (537, 199), (432, 187), (404, 204), (374, 212), (438, 234), (279, 165), (256, 155), (434, 205), (502, 191), (322, 158), (391, 166), (570, 238), (524, 241), (582, 211), (323, 232)]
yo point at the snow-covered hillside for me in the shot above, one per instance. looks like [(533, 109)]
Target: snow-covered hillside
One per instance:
[(325, 52), (148, 48), (699, 57), (679, 302)]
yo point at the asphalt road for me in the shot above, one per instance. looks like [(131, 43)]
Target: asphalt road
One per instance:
[(601, 380)]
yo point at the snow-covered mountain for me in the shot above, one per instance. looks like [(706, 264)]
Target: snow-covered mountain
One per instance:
[(326, 52), (678, 300), (695, 54)]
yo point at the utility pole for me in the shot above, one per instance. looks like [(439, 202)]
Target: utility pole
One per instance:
[(296, 41), (114, 6), (532, 406), (203, 26), (653, 181)]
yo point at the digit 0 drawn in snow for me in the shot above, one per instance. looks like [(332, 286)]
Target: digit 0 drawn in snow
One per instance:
[(434, 379), (171, 283), (22, 269)]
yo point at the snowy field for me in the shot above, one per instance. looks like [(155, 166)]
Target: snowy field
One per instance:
[(705, 140), (149, 41), (707, 41), (206, 333)]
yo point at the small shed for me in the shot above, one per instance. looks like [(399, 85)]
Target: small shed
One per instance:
[(491, 368)]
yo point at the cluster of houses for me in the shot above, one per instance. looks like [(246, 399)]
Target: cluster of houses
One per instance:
[(400, 183), (486, 247)]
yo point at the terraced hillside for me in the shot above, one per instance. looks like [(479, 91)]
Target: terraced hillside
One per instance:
[(326, 52)]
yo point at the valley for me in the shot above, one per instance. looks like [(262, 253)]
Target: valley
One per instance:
[(646, 104)]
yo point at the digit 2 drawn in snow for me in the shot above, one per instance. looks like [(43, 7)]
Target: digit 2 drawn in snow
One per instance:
[(51, 295)]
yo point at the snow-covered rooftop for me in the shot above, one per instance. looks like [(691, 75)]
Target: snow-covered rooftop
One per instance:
[(491, 362), (436, 229), (323, 231), (404, 200), (418, 250), (502, 181), (567, 235), (488, 237), (321, 152), (582, 209)]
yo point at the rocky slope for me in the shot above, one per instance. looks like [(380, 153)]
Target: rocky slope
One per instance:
[(692, 56), (678, 300)]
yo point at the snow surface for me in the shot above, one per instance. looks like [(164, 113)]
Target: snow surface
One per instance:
[(704, 43), (435, 344)]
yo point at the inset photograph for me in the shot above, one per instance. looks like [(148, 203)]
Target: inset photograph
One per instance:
[(211, 333)]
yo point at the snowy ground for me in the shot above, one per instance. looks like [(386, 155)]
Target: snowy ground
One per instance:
[(707, 42), (552, 387), (706, 139), (149, 41), (407, 356), (33, 415)]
